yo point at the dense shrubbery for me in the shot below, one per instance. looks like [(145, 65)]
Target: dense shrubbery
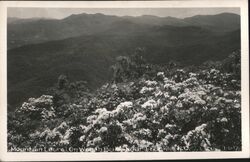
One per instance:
[(146, 108)]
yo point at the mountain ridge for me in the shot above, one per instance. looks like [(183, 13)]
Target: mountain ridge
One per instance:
[(86, 51), (45, 30)]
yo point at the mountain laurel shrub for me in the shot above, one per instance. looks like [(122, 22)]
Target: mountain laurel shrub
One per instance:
[(147, 108)]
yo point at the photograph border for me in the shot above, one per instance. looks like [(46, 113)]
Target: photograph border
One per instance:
[(52, 156)]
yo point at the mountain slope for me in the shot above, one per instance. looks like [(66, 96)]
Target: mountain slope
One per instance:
[(221, 22), (42, 30), (89, 57)]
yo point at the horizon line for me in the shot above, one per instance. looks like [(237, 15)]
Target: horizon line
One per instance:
[(99, 13)]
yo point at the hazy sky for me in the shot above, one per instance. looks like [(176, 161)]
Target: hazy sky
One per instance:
[(162, 12)]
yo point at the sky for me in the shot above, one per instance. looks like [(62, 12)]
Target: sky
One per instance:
[(59, 13)]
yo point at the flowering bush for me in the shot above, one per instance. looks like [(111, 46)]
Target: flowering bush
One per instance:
[(178, 109)]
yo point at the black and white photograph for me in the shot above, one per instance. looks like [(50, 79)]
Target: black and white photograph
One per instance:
[(125, 79)]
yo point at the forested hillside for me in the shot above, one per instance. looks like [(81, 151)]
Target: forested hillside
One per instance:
[(95, 82), (144, 107), (84, 46)]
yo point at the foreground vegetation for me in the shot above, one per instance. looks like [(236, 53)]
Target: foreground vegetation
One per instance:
[(144, 108)]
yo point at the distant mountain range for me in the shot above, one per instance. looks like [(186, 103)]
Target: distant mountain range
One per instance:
[(37, 30), (84, 46)]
